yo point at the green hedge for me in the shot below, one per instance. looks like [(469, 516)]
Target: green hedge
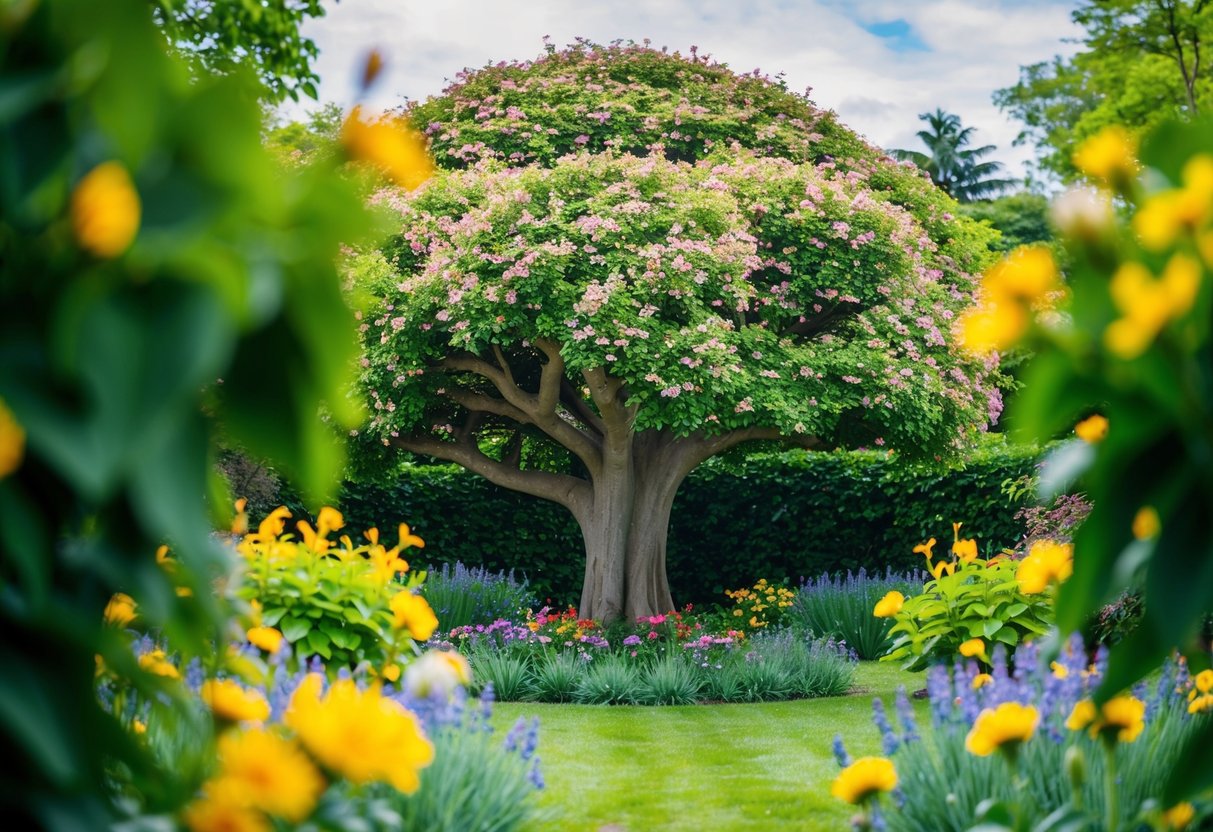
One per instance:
[(777, 516)]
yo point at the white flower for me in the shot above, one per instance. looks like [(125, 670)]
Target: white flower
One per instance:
[(438, 671)]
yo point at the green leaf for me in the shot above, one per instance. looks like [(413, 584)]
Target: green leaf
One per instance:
[(1192, 772), (294, 629)]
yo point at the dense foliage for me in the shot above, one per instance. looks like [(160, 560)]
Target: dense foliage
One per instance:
[(773, 515), (639, 260), (1133, 343), (1052, 772), (1140, 64), (150, 248), (959, 169)]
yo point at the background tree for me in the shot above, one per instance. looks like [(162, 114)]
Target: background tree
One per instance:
[(1021, 219), (680, 260), (952, 165), (1143, 62), (219, 36)]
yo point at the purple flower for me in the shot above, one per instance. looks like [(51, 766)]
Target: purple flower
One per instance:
[(631, 641)]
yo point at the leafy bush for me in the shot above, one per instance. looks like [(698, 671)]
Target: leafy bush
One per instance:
[(969, 602), (555, 675), (773, 514), (838, 607), (759, 606), (669, 681), (611, 680), (509, 675), (331, 600), (462, 596), (942, 784)]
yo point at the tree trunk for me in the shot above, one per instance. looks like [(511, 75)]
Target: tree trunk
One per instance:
[(648, 585), (605, 529)]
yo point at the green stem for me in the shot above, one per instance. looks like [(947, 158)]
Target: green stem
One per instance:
[(1111, 801)]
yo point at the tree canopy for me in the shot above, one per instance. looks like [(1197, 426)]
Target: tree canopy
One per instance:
[(1143, 62), (951, 163), (217, 37), (644, 259)]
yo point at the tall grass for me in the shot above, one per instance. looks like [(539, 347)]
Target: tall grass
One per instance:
[(838, 607)]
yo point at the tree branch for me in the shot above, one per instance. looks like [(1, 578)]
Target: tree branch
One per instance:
[(568, 491), (571, 398), (604, 390)]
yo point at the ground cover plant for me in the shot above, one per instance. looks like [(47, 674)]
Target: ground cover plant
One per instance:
[(590, 301), (676, 658), (1028, 748), (840, 607)]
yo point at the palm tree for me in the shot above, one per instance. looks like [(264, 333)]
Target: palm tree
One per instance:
[(951, 164)]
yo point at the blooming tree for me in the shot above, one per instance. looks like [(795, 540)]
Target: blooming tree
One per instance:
[(640, 260)]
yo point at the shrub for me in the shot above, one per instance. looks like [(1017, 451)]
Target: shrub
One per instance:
[(669, 681), (555, 676), (331, 600), (759, 606), (462, 595), (971, 603), (943, 784), (837, 607), (508, 674), (610, 680)]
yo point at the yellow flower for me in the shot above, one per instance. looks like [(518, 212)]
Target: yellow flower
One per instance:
[(413, 613), (1025, 275), (1045, 563), (105, 210), (267, 772), (120, 610), (1092, 429), (389, 144), (1109, 155), (155, 661), (1146, 523), (359, 734), (273, 524), (943, 566), (925, 548), (973, 647), (1082, 715), (864, 779), (1179, 816), (12, 442), (1147, 304), (138, 727), (1200, 704), (1121, 718), (1006, 726), (1059, 670), (1204, 681), (208, 815), (229, 701), (966, 550), (889, 605), (991, 327), (981, 680), (1164, 216), (391, 672), (268, 639)]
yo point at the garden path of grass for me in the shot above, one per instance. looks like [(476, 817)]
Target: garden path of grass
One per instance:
[(733, 768)]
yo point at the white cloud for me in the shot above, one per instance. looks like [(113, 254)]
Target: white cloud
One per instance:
[(975, 47)]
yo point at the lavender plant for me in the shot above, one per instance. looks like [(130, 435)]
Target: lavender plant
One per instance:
[(840, 607), (1059, 773), (464, 596)]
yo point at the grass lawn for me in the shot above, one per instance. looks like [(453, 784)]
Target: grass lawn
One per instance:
[(726, 767)]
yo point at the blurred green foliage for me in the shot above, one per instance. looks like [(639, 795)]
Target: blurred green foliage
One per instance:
[(123, 355), (1137, 348)]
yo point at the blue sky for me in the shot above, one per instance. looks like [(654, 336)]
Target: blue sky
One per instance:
[(877, 63)]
